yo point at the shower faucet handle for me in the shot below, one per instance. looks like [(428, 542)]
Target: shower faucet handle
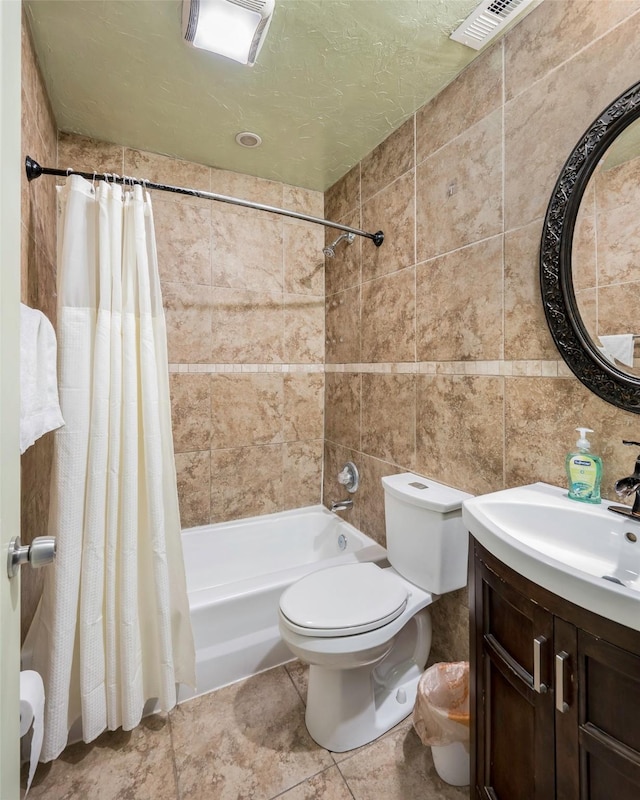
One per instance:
[(349, 477)]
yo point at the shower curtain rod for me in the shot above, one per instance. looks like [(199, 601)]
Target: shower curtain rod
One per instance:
[(34, 170)]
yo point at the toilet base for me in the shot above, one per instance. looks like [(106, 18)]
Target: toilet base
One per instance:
[(347, 708)]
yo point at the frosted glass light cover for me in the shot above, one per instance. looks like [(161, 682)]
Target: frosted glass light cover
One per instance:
[(226, 29)]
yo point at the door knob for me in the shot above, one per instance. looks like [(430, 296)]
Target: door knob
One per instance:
[(41, 551)]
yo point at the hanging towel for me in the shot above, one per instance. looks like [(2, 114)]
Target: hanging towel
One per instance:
[(619, 347), (39, 406)]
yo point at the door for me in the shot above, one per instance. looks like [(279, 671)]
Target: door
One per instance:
[(10, 173), (514, 722)]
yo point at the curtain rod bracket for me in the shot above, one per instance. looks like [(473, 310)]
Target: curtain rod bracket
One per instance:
[(34, 170)]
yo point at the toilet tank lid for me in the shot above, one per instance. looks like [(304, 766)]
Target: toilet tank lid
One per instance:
[(424, 492)]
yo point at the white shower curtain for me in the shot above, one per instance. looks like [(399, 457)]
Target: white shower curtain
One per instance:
[(112, 629)]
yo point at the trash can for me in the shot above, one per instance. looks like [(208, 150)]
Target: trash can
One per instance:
[(441, 719)]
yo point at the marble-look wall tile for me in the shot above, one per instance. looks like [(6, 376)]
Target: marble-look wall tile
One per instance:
[(246, 482), (170, 171), (566, 27), (474, 94), (247, 327), (391, 210), (389, 418), (459, 190), (193, 471), (543, 123), (388, 317), (303, 407), (246, 410), (304, 201), (183, 239), (342, 326), (371, 495), (302, 473), (303, 329), (343, 196), (388, 161), (450, 619), (541, 415), (526, 334), (246, 187), (246, 254), (191, 411), (89, 155), (616, 313), (188, 316), (38, 290), (303, 259), (463, 324), (343, 270), (342, 408), (459, 431)]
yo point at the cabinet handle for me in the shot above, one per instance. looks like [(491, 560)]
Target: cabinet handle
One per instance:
[(538, 686), (561, 659)]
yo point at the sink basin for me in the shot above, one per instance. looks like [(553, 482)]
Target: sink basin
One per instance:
[(581, 552)]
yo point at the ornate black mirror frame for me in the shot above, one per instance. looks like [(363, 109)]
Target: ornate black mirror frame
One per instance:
[(558, 296)]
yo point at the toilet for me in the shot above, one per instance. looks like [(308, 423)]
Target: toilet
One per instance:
[(364, 630)]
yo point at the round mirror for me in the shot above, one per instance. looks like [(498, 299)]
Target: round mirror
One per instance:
[(590, 255)]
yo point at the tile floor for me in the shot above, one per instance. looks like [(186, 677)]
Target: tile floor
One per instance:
[(245, 741)]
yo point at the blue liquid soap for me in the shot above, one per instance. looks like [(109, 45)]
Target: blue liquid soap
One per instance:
[(584, 471)]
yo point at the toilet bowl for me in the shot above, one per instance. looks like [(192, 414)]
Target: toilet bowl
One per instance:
[(365, 631)]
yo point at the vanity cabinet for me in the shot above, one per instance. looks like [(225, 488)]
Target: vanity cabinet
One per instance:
[(555, 693)]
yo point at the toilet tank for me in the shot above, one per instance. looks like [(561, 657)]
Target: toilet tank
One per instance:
[(426, 539)]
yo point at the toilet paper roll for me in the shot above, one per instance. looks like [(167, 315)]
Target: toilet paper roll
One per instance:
[(32, 712)]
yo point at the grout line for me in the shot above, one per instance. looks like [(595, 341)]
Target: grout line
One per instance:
[(173, 757)]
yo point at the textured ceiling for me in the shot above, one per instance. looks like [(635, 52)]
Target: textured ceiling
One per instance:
[(333, 79)]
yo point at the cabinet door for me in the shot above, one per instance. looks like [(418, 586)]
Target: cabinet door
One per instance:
[(609, 720), (511, 661)]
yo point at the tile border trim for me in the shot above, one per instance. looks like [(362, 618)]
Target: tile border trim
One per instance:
[(524, 368)]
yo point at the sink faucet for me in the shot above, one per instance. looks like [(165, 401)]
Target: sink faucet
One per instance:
[(341, 505), (625, 487)]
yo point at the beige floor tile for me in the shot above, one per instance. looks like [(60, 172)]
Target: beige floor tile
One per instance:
[(299, 674), (327, 785), (397, 767), (135, 765), (248, 740)]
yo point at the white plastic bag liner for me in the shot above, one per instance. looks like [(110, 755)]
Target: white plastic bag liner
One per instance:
[(441, 712)]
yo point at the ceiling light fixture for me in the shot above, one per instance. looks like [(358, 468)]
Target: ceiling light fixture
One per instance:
[(248, 139), (233, 28)]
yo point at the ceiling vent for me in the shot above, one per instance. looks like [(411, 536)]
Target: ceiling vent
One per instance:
[(486, 22)]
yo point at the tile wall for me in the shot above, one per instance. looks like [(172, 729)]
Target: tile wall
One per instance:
[(38, 290), (438, 355)]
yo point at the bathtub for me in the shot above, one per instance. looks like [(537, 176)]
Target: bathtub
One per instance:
[(236, 572)]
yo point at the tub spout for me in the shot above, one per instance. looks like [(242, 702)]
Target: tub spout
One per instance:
[(341, 505)]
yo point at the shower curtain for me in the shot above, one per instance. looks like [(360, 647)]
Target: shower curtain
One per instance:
[(112, 629)]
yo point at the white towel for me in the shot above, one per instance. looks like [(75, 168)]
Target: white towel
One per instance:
[(619, 347), (39, 406)]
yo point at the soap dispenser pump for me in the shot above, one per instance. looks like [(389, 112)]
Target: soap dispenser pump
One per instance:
[(584, 471)]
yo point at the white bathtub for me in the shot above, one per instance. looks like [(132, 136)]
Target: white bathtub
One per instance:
[(236, 572)]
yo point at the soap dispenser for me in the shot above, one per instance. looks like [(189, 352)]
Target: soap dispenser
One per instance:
[(584, 471)]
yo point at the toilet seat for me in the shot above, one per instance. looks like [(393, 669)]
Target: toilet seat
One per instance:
[(343, 601)]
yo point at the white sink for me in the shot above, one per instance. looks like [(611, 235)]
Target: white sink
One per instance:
[(573, 549)]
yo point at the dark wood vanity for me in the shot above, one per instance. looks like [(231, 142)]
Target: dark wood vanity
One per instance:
[(555, 693)]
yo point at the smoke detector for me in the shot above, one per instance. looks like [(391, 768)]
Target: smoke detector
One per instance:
[(487, 21), (233, 28)]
